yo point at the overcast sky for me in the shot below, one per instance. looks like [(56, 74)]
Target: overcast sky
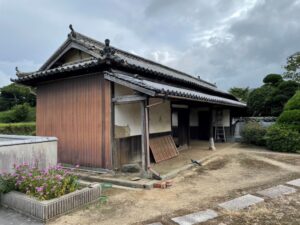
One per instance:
[(228, 42)]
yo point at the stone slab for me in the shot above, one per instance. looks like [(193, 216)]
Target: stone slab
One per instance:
[(294, 182), (241, 202), (277, 191), (195, 218), (11, 217)]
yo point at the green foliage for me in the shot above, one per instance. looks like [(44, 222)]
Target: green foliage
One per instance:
[(285, 134), (259, 101), (19, 113), (288, 88), (269, 100), (240, 93), (7, 183), (14, 94), (294, 102), (253, 133), (290, 118), (283, 138), (273, 79), (18, 128), (42, 184), (293, 67)]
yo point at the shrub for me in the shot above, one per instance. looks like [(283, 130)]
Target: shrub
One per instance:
[(7, 183), (294, 102), (17, 128), (19, 113), (253, 133), (283, 138), (290, 117), (43, 184), (5, 116)]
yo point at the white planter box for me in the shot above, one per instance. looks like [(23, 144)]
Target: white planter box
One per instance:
[(46, 210)]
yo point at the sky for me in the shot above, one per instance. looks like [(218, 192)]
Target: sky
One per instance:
[(228, 42)]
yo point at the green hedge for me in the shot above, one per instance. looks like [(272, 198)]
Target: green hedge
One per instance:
[(282, 138), (253, 133), (18, 128), (290, 117), (293, 103)]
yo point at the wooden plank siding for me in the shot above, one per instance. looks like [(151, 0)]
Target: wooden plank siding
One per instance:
[(77, 112)]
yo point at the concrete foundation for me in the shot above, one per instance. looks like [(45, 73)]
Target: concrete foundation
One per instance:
[(46, 210)]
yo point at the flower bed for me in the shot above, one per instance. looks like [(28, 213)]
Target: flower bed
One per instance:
[(44, 184), (44, 194)]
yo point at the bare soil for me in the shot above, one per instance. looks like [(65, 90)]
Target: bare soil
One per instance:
[(280, 211), (230, 172)]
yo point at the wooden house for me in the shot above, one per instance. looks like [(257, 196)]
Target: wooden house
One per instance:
[(106, 105)]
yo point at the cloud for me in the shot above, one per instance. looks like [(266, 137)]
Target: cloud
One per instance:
[(232, 43)]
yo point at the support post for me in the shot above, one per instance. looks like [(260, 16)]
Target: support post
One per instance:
[(145, 138), (211, 131)]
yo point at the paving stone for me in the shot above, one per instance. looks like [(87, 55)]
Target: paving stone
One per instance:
[(11, 217), (158, 223), (277, 191), (241, 202), (194, 218), (294, 182)]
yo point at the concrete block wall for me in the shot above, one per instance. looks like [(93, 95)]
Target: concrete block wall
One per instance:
[(16, 149)]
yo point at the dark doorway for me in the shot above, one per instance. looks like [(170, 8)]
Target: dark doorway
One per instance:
[(203, 125), (183, 132)]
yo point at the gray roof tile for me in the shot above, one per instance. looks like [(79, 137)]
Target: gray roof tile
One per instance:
[(161, 89)]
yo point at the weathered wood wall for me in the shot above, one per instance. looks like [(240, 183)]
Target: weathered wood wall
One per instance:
[(128, 150), (77, 112)]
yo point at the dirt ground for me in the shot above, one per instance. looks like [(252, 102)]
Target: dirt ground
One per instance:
[(280, 211), (231, 172), (198, 150)]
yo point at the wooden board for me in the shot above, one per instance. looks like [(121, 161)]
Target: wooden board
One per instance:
[(163, 148), (77, 112)]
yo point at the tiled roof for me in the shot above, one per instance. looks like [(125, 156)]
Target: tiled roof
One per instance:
[(138, 61), (132, 61), (159, 89), (65, 68)]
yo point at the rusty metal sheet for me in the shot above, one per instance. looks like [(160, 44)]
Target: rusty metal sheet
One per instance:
[(163, 148)]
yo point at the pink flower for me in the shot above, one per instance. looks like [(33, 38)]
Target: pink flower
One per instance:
[(77, 166), (58, 177), (39, 189)]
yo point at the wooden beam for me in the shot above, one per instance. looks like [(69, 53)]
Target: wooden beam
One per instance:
[(147, 134), (211, 131), (128, 99), (143, 137)]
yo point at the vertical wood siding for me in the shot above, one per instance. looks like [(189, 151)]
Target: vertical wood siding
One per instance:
[(77, 112)]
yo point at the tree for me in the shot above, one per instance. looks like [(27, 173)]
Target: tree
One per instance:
[(240, 93), (259, 101), (282, 93), (270, 98), (285, 134), (14, 94), (293, 67), (273, 79)]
